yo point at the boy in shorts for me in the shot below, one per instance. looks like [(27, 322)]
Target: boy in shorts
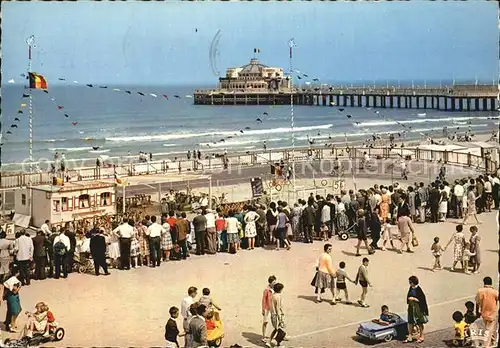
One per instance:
[(266, 305)]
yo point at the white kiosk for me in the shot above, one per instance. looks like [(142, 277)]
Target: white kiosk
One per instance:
[(73, 201)]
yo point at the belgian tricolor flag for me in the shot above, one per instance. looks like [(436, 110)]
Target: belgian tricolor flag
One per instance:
[(37, 81), (118, 181)]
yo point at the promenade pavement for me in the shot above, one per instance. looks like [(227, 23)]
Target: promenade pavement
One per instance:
[(130, 308)]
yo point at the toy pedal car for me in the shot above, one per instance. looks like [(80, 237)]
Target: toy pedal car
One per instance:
[(374, 331), (214, 336), (56, 333)]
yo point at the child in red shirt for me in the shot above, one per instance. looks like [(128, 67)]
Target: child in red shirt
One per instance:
[(220, 224)]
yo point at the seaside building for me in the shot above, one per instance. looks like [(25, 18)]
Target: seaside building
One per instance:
[(254, 77), (73, 201)]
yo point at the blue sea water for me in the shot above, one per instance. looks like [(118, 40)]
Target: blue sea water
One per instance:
[(121, 124)]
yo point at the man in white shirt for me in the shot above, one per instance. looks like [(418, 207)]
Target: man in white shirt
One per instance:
[(186, 303), (61, 245), (211, 232), (326, 216), (154, 232), (124, 232), (46, 228), (458, 192), (24, 255)]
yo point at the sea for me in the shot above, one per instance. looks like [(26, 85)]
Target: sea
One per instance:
[(85, 123)]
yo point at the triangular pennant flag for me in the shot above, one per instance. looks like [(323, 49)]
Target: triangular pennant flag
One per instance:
[(25, 95), (23, 105), (117, 180), (19, 111)]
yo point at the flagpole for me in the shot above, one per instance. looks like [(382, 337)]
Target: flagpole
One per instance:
[(30, 41), (291, 43)]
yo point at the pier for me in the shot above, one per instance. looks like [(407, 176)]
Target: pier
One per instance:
[(455, 98)]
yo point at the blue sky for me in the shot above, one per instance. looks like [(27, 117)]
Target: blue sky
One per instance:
[(155, 43)]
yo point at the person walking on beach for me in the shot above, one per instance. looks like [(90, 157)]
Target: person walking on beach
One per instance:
[(277, 314), (361, 230), (188, 155), (266, 305), (458, 239), (364, 281), (325, 273)]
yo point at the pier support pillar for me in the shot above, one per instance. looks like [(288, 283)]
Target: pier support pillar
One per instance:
[(344, 100), (476, 104), (460, 104), (399, 101), (425, 102), (468, 104), (337, 100), (418, 102), (453, 102), (492, 104), (446, 103), (384, 100), (351, 100), (485, 104), (367, 100), (360, 100), (324, 100), (432, 102), (391, 102)]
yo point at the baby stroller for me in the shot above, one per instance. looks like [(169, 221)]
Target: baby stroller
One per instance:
[(82, 263), (215, 335)]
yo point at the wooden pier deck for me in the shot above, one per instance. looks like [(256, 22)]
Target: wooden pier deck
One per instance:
[(454, 98)]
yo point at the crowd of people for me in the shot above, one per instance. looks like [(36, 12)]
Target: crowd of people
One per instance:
[(385, 214)]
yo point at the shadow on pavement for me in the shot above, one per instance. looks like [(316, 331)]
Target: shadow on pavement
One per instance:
[(308, 298), (253, 338)]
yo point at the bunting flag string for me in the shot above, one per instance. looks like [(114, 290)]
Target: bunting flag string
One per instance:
[(14, 122)]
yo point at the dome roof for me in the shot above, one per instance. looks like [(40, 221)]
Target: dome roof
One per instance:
[(253, 68)]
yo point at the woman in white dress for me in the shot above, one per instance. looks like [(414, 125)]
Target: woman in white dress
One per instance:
[(114, 248), (471, 205), (251, 218), (443, 203)]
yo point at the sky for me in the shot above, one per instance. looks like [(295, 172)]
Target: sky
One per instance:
[(156, 43)]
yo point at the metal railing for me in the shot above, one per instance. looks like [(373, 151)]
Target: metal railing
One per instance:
[(13, 180)]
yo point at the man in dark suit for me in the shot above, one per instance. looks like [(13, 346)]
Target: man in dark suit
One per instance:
[(198, 328), (71, 252), (40, 255), (309, 218), (98, 251)]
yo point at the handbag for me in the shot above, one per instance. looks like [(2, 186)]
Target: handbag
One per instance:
[(280, 335), (313, 282), (414, 241)]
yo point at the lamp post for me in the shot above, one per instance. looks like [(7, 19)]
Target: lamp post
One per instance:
[(291, 45)]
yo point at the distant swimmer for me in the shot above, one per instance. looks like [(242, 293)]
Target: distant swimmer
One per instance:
[(349, 116), (357, 123), (177, 96), (258, 120), (247, 128), (265, 113), (241, 131), (95, 148), (341, 109)]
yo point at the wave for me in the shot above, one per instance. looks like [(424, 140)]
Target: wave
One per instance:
[(396, 122), (169, 145), (53, 140), (69, 149), (100, 151), (162, 137), (422, 114), (236, 143)]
